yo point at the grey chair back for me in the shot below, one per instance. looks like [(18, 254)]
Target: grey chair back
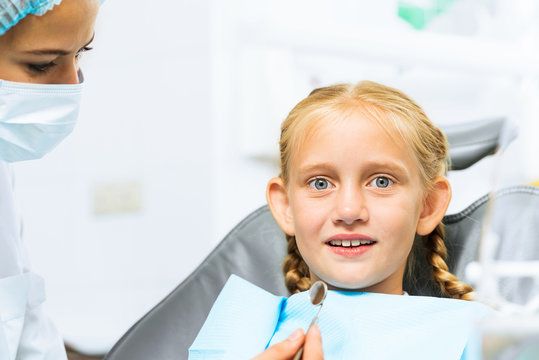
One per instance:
[(254, 250)]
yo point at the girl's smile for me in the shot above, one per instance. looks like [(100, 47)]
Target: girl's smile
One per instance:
[(350, 245)]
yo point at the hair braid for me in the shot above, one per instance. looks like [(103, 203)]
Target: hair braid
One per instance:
[(295, 270), (436, 254)]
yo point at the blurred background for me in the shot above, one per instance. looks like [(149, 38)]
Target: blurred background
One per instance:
[(180, 121)]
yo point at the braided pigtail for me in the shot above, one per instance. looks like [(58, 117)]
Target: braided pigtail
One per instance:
[(436, 254), (295, 270)]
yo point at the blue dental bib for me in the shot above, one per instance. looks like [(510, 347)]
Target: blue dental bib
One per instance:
[(245, 320)]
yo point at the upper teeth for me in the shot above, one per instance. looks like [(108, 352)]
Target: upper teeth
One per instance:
[(347, 243)]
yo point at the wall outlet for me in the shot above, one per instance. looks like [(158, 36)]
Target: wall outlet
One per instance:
[(112, 198)]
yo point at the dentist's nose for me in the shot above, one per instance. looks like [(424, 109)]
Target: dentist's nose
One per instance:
[(71, 75), (350, 207), (67, 74)]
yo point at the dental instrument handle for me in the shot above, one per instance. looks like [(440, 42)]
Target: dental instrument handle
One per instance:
[(299, 354)]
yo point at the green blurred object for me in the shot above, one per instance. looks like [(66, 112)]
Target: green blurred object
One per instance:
[(531, 352), (419, 16)]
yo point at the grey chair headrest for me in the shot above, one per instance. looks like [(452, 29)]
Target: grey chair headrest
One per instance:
[(471, 141)]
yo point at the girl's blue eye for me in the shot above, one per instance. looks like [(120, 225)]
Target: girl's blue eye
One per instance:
[(320, 184), (382, 182)]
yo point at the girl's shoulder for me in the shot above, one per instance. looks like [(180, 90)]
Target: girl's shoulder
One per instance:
[(397, 307), (412, 304), (476, 310)]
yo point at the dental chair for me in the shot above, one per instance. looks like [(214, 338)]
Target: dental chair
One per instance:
[(256, 247)]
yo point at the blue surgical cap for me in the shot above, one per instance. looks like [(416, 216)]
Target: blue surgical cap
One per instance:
[(12, 11)]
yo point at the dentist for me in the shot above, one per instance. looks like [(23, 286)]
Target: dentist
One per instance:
[(40, 88)]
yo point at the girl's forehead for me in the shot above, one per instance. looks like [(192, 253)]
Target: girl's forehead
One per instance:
[(384, 125)]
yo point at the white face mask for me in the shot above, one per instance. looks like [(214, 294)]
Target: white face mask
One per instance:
[(34, 118)]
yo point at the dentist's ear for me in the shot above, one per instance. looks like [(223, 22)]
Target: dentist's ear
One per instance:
[(279, 205), (434, 206)]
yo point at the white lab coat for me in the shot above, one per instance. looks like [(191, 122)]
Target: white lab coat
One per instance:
[(25, 332)]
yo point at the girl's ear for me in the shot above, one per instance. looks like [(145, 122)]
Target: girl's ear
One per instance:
[(279, 205), (434, 206)]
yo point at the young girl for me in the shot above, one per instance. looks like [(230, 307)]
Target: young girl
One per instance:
[(362, 179), (361, 160)]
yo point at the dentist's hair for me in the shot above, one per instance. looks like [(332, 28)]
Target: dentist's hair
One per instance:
[(401, 117)]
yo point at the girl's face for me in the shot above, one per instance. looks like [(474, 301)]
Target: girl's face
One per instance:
[(354, 202), (45, 49)]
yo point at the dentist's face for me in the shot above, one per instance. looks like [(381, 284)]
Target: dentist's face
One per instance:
[(355, 198), (45, 49)]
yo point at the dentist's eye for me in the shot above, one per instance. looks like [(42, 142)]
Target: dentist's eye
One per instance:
[(40, 68), (382, 182), (320, 184), (84, 49)]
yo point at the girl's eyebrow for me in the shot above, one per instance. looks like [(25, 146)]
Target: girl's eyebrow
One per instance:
[(393, 166), (315, 167), (386, 165), (59, 52)]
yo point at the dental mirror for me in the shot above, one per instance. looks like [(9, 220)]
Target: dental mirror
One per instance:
[(317, 294)]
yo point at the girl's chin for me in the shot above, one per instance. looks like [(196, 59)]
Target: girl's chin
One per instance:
[(348, 288), (355, 286), (338, 282), (365, 287)]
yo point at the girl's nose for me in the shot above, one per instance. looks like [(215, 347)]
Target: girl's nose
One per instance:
[(350, 207)]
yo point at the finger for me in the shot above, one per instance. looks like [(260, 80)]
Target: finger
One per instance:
[(285, 350), (313, 344)]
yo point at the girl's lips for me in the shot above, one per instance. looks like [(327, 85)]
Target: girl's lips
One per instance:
[(350, 251), (350, 245)]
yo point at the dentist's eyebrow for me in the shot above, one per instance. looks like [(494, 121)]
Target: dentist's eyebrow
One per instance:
[(47, 52), (60, 52)]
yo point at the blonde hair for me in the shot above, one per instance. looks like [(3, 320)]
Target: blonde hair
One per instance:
[(400, 116)]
